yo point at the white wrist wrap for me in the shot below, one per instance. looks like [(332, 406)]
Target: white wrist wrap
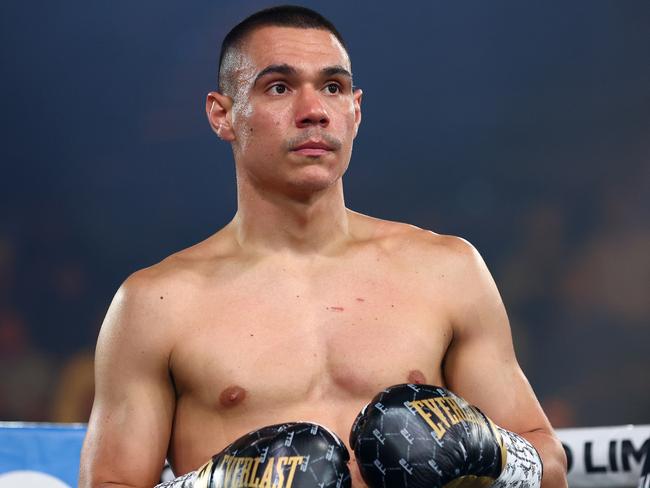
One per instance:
[(185, 481), (523, 467), (194, 479)]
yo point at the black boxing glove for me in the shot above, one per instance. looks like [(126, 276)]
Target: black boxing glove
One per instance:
[(421, 436), (292, 455)]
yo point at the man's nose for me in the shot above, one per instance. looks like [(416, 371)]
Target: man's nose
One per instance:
[(311, 110)]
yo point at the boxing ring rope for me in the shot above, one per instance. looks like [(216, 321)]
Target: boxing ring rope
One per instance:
[(47, 455)]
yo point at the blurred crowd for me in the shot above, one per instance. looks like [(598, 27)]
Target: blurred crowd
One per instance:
[(577, 289), (50, 313), (576, 285)]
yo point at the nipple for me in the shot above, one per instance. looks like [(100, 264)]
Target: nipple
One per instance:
[(416, 377), (232, 396)]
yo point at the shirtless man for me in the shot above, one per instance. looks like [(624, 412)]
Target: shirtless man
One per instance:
[(298, 309)]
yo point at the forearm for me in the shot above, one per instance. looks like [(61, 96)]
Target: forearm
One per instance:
[(553, 458), (99, 481)]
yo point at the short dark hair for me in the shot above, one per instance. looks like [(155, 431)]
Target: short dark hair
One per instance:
[(281, 16)]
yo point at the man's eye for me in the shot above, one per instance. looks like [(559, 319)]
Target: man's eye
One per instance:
[(278, 89), (333, 88)]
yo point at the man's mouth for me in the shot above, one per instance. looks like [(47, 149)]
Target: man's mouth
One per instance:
[(313, 148)]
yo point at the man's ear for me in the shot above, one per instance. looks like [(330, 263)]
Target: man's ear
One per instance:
[(358, 94), (217, 108)]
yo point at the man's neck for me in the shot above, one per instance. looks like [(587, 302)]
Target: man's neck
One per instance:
[(268, 221)]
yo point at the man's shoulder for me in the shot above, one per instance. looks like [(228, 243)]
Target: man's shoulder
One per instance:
[(401, 238), (179, 272)]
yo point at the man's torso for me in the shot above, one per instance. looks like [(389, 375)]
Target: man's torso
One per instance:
[(258, 341)]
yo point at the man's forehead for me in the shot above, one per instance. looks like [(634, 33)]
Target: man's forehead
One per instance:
[(273, 45)]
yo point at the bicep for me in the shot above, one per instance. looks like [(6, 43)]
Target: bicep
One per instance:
[(129, 428), (480, 364)]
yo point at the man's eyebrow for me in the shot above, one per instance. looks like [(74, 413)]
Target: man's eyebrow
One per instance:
[(336, 70), (283, 69)]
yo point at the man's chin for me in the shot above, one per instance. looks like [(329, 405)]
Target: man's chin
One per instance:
[(312, 186), (316, 177)]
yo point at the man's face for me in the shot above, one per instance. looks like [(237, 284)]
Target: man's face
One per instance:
[(294, 114)]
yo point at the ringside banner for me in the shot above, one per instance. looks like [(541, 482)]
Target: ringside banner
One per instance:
[(605, 457), (40, 455)]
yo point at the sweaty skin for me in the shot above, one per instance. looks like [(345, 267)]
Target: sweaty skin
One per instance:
[(298, 309)]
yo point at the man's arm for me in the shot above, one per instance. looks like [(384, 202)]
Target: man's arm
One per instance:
[(480, 364), (130, 424)]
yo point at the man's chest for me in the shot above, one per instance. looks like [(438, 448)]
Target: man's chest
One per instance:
[(279, 339)]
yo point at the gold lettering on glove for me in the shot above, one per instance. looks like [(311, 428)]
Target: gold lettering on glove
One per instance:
[(441, 413), (241, 472)]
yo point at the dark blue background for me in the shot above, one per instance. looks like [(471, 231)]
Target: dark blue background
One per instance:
[(477, 118)]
